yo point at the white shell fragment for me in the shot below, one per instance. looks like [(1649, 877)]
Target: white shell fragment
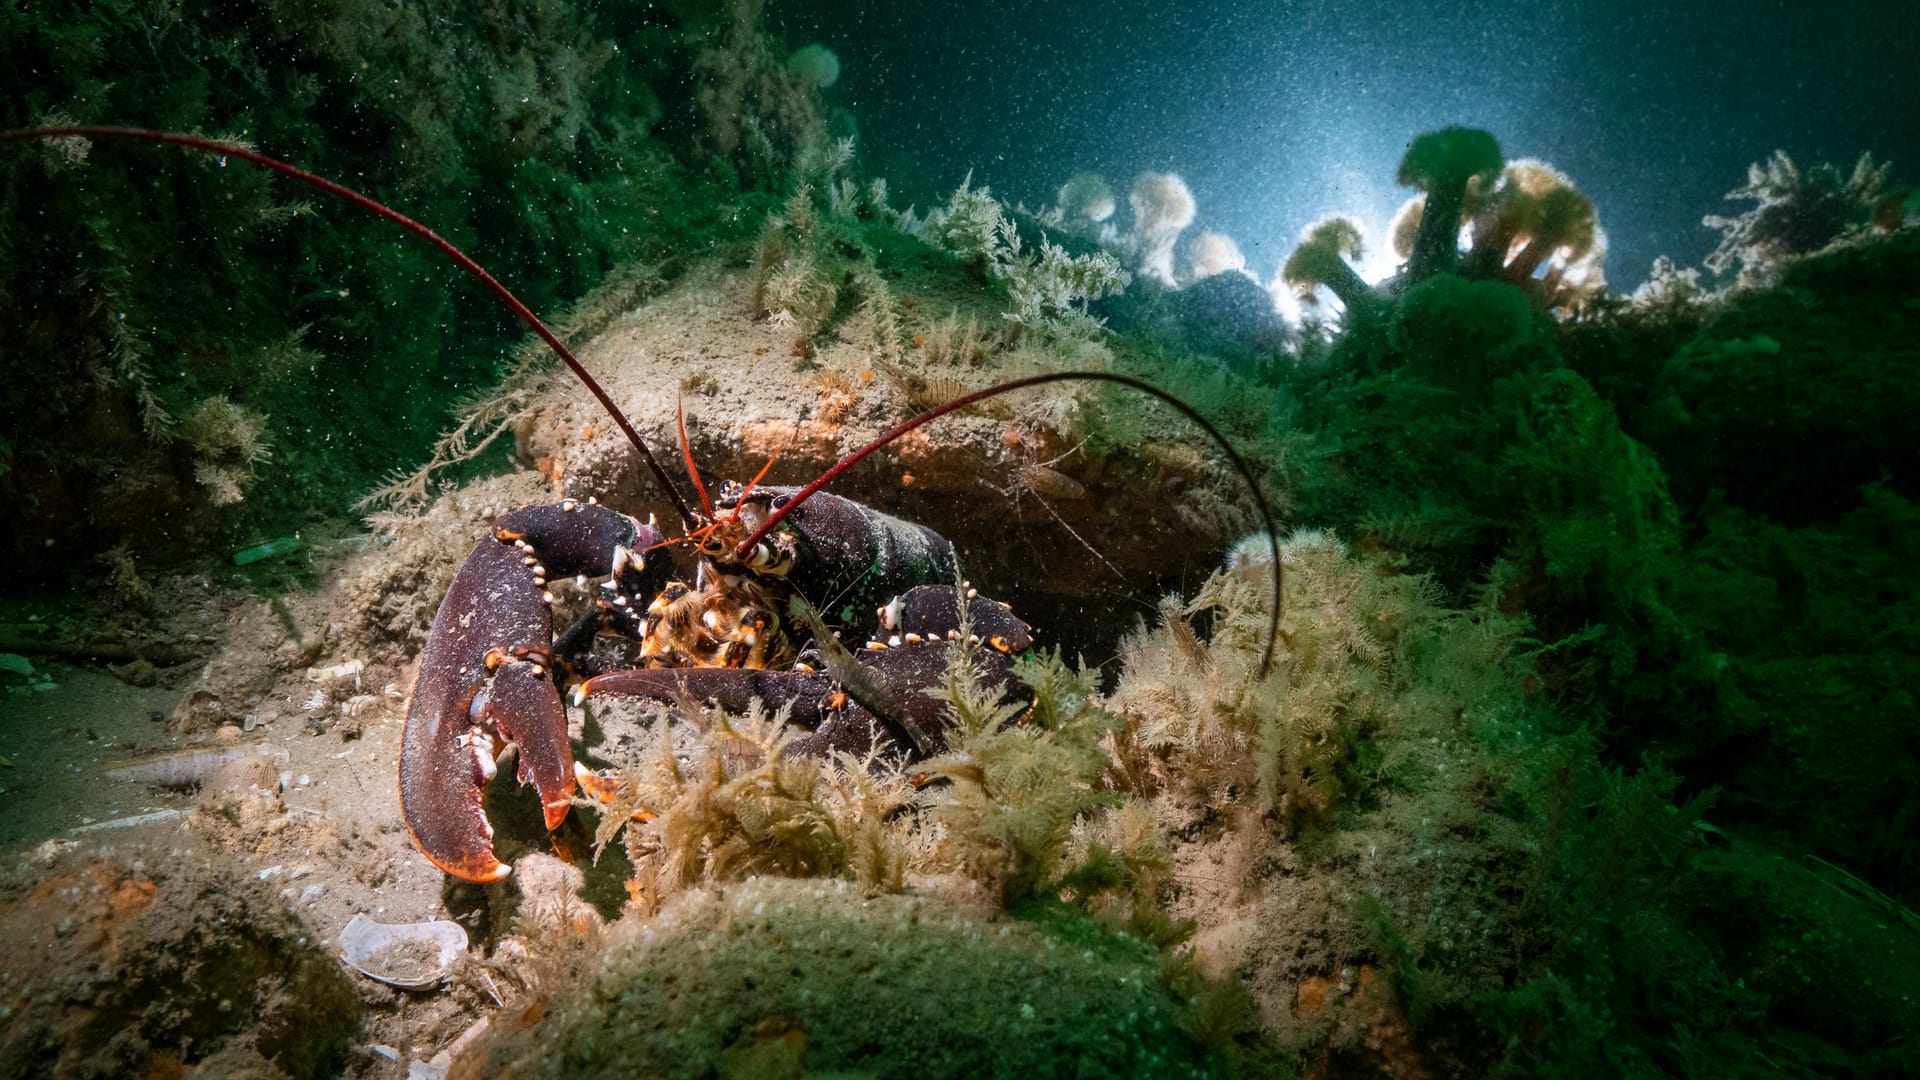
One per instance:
[(412, 956), (346, 669), (129, 822)]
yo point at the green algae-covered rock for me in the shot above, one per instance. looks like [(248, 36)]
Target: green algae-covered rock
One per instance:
[(1793, 398), (793, 978), (1459, 335)]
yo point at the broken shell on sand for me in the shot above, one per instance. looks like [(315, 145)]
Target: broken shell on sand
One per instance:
[(413, 956)]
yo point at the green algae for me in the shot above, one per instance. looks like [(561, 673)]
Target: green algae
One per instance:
[(775, 978)]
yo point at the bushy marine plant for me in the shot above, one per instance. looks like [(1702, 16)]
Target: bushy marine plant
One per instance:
[(1353, 831), (1049, 289), (711, 797), (1796, 212), (713, 812), (759, 113), (1369, 656), (1020, 774), (818, 268)]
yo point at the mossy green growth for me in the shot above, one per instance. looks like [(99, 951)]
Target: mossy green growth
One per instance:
[(1790, 399), (1459, 334), (1531, 474), (789, 978), (159, 279), (1819, 624), (1672, 940)]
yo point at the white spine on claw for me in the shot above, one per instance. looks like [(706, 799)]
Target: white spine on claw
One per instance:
[(481, 747)]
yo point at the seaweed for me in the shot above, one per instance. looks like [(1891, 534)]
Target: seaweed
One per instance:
[(1024, 810), (1371, 656), (1797, 212), (228, 443), (757, 114), (1049, 290), (711, 797), (1016, 790)]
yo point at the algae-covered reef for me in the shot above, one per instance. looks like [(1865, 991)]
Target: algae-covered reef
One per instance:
[(114, 968), (200, 353), (1587, 748)]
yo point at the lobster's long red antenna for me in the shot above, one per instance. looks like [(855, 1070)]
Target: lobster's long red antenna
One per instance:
[(347, 194), (1239, 465), (686, 451)]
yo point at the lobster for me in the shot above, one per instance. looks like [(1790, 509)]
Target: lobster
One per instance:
[(487, 673), (491, 671)]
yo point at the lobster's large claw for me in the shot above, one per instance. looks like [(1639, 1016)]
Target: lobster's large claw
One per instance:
[(484, 678), (483, 673)]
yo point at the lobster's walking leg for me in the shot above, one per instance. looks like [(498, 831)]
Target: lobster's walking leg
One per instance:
[(804, 693), (925, 620)]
